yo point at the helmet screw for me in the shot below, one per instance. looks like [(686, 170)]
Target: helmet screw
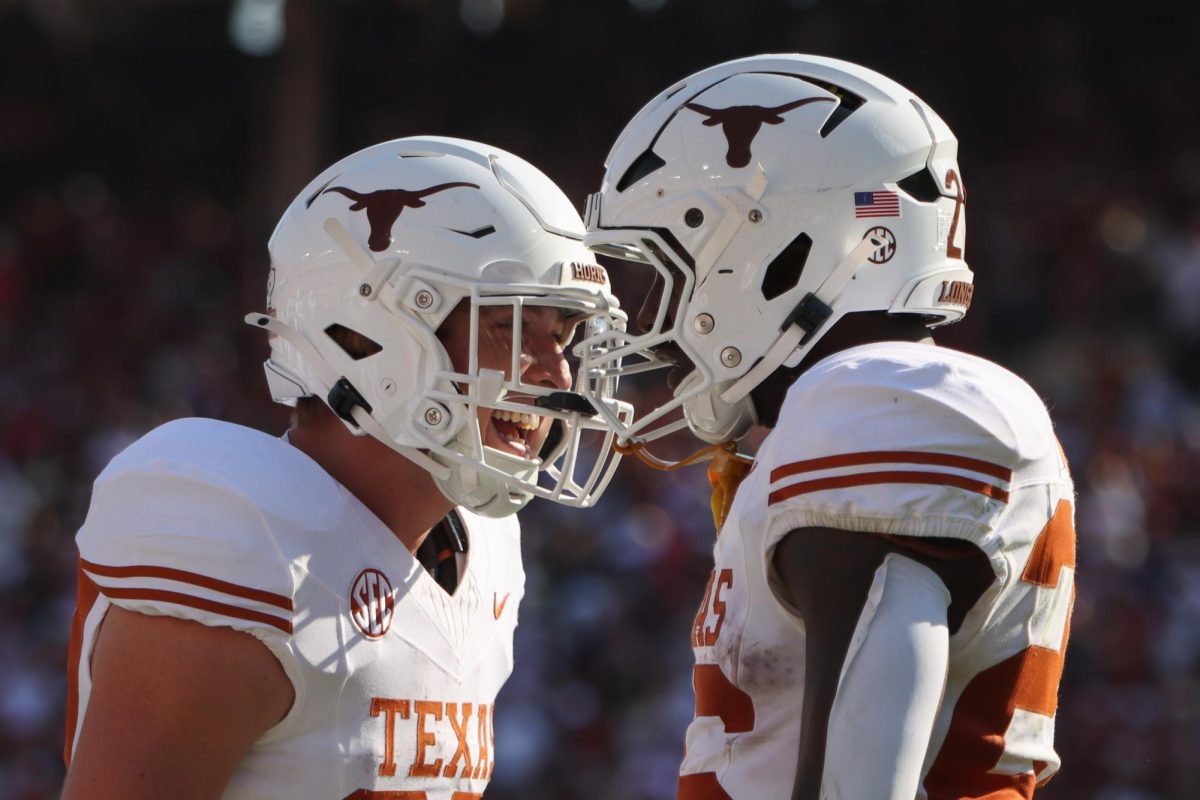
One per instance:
[(731, 356), (424, 298), (693, 218), (660, 193), (754, 216), (433, 416), (387, 386), (365, 290), (704, 323)]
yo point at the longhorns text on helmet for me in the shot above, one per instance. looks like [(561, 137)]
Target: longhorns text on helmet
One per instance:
[(444, 222), (812, 151)]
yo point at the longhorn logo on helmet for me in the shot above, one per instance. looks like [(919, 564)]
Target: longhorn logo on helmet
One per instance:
[(385, 205), (741, 124)]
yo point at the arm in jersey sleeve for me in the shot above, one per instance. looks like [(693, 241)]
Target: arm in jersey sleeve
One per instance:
[(876, 619), (188, 567), (908, 456), (174, 707)]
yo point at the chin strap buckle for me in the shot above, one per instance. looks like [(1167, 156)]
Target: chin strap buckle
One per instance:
[(810, 314), (343, 398)]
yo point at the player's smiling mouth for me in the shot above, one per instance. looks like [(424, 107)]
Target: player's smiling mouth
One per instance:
[(511, 431)]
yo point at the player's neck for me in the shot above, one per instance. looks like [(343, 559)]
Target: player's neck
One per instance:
[(401, 494)]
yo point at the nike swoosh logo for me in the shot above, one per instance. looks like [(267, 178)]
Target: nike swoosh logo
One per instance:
[(498, 604)]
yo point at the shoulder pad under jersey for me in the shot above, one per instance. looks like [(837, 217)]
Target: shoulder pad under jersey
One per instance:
[(906, 439), (185, 522)]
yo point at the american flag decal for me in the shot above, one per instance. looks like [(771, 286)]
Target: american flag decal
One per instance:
[(876, 204)]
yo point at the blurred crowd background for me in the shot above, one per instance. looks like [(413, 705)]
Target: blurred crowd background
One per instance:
[(147, 146)]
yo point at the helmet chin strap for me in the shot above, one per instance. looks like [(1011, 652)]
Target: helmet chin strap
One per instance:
[(366, 422), (726, 470), (359, 415), (810, 315)]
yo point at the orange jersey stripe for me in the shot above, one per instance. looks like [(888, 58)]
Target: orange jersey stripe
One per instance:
[(892, 457), (198, 602), (85, 597), (194, 578), (899, 476)]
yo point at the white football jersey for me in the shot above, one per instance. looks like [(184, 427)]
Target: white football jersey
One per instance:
[(394, 679), (909, 440)]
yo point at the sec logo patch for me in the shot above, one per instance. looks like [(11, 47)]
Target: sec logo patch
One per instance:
[(885, 251), (372, 603)]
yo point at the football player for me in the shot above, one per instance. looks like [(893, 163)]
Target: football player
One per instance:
[(888, 611), (330, 614)]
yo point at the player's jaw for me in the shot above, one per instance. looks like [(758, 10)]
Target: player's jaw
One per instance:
[(681, 366)]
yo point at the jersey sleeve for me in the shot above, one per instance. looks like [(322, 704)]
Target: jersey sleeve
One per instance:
[(174, 540), (898, 452)]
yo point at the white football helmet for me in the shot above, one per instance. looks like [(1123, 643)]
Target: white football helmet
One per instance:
[(385, 244), (772, 195)]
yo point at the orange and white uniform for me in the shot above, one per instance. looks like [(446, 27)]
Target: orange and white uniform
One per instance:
[(907, 440), (395, 680)]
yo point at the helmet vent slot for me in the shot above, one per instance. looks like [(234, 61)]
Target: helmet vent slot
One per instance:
[(783, 273), (478, 233), (836, 117), (848, 103), (353, 343), (921, 186), (642, 166)]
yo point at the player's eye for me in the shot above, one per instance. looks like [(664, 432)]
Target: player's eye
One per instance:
[(567, 329), (496, 319)]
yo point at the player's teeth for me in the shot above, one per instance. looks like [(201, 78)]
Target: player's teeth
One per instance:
[(521, 420)]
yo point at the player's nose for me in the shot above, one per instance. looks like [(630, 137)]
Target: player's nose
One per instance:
[(547, 365)]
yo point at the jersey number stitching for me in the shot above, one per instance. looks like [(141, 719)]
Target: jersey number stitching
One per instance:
[(716, 696)]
